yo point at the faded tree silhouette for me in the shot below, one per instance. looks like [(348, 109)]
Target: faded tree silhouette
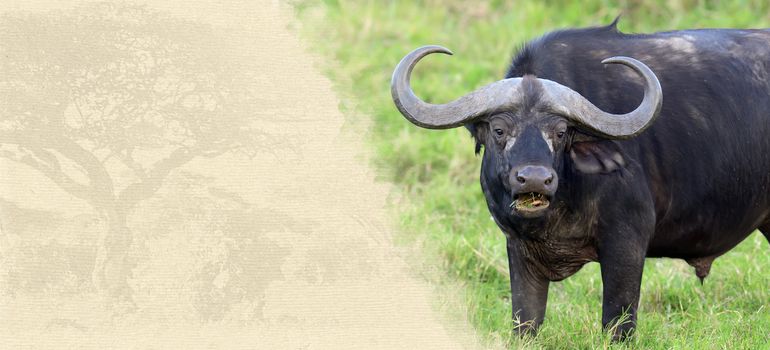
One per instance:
[(107, 100), (220, 252), (202, 253)]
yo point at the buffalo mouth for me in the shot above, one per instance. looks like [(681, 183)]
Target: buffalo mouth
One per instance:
[(530, 203)]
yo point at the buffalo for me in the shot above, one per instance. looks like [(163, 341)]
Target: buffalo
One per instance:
[(612, 147)]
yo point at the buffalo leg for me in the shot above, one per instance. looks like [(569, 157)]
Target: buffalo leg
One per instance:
[(621, 283), (765, 229), (529, 294), (621, 257)]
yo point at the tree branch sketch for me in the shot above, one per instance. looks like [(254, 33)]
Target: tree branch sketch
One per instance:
[(107, 100)]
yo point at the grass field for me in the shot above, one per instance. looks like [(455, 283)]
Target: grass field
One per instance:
[(437, 171)]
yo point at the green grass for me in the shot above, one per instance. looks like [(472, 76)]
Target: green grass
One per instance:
[(437, 171)]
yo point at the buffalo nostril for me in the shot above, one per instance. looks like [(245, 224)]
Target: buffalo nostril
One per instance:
[(549, 180), (521, 179)]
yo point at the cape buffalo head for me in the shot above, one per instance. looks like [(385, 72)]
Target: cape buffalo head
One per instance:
[(523, 124)]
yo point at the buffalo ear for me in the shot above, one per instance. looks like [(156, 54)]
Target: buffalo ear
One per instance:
[(596, 157), (478, 132)]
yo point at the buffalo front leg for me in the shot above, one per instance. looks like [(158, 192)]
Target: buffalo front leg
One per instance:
[(529, 293), (765, 229), (621, 258)]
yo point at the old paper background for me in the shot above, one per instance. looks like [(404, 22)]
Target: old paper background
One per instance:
[(177, 175)]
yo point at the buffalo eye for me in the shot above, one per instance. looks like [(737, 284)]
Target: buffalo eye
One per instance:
[(499, 132), (561, 129)]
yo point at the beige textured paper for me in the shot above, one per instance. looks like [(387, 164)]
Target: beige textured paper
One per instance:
[(176, 175)]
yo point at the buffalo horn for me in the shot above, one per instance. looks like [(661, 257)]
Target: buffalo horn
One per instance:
[(505, 95)]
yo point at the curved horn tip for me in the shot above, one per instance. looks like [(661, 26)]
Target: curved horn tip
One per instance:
[(434, 49), (620, 59)]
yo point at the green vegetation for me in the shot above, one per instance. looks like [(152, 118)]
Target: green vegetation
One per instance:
[(437, 171)]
